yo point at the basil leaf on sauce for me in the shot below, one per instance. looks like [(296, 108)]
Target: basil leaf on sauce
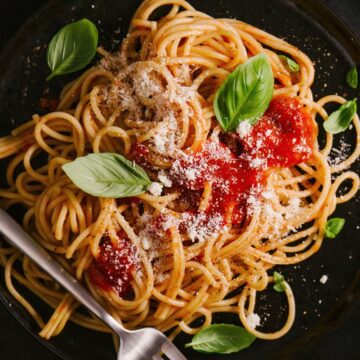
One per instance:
[(340, 119), (352, 77), (221, 339), (72, 48), (245, 94), (107, 175), (279, 281), (291, 64), (333, 227)]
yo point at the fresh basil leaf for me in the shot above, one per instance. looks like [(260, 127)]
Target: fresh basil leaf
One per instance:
[(221, 339), (107, 175), (352, 77), (277, 277), (279, 281), (72, 48), (292, 64), (340, 119), (333, 227), (279, 287), (245, 94)]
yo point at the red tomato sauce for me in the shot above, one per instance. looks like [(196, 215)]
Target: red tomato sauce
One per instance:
[(141, 155), (283, 137), (231, 178), (113, 266)]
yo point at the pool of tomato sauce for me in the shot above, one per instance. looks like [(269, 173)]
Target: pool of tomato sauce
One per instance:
[(283, 137), (112, 269)]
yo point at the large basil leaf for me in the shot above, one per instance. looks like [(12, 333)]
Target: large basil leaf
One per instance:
[(245, 94), (107, 175), (340, 119), (72, 48), (221, 339)]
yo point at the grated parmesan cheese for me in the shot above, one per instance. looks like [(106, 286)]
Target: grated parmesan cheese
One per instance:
[(278, 213), (253, 320), (257, 163), (165, 136), (160, 277), (244, 128), (201, 227), (190, 174), (337, 156), (324, 279), (164, 179), (293, 208), (155, 188)]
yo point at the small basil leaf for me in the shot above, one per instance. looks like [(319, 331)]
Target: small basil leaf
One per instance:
[(221, 339), (279, 281), (278, 277), (245, 94), (292, 64), (279, 287), (72, 48), (333, 227), (352, 77), (340, 119), (107, 175)]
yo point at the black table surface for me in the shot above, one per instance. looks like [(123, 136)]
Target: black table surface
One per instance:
[(17, 343)]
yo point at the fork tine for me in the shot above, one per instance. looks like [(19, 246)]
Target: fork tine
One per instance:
[(171, 351)]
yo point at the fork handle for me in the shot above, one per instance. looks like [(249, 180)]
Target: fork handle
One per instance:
[(17, 236)]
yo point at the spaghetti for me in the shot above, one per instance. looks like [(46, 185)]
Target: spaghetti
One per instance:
[(202, 239)]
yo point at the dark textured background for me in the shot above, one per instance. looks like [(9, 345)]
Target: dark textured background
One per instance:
[(16, 343)]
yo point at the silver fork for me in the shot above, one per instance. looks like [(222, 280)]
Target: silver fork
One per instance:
[(142, 344)]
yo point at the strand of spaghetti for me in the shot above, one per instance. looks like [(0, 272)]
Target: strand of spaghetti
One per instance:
[(15, 294), (274, 335)]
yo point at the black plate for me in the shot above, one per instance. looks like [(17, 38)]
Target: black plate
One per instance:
[(307, 24)]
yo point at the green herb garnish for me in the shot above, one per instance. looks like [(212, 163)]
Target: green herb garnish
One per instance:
[(352, 77), (279, 281), (72, 48), (291, 64), (107, 175), (221, 339), (245, 94), (340, 119), (333, 227)]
